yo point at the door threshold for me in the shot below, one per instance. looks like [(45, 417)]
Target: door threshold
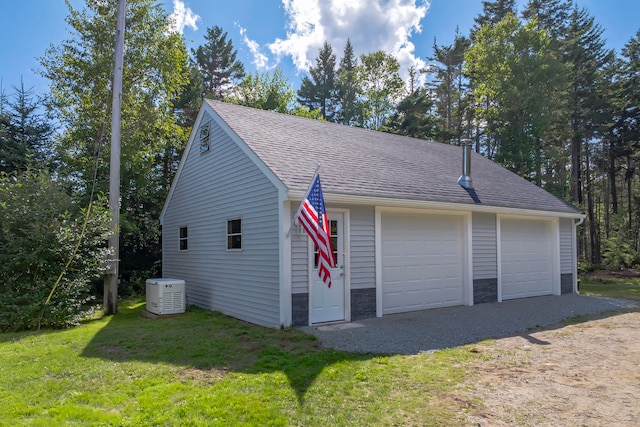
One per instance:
[(330, 322), (336, 326)]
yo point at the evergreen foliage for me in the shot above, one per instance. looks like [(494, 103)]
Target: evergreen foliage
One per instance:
[(319, 92), (25, 131), (348, 87), (217, 63), (413, 117), (450, 90), (40, 226)]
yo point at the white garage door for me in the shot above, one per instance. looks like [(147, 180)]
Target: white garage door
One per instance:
[(527, 257), (422, 261)]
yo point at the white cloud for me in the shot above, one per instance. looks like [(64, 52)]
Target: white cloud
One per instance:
[(182, 17), (371, 25), (260, 60)]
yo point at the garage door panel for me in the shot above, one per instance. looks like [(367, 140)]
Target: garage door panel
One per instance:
[(526, 257), (413, 274), (411, 247), (428, 272), (394, 248)]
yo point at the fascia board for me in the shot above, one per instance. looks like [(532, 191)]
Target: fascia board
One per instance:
[(406, 203)]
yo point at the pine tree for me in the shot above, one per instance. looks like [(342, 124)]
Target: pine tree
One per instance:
[(628, 130), (217, 62), (449, 88), (413, 117), (551, 15), (25, 132), (319, 92), (348, 87), (586, 56), (493, 12)]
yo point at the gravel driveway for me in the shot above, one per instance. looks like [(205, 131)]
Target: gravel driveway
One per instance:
[(428, 330)]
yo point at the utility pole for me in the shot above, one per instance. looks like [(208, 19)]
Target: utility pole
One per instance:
[(111, 277)]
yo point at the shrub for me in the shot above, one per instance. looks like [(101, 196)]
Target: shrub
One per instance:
[(619, 251), (39, 228)]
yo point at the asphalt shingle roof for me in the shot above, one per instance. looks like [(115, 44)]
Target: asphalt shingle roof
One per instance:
[(362, 162)]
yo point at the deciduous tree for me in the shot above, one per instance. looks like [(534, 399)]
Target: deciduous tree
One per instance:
[(42, 229), (267, 91), (382, 88), (80, 72), (514, 68)]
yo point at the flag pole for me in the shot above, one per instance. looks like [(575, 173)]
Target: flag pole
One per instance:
[(313, 179)]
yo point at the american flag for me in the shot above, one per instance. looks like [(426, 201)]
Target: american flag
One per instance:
[(313, 218)]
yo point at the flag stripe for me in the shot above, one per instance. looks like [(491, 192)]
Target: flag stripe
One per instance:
[(313, 218)]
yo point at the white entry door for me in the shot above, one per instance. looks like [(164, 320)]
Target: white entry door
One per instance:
[(328, 304)]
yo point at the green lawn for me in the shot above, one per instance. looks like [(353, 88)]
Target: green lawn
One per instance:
[(208, 369), (612, 287)]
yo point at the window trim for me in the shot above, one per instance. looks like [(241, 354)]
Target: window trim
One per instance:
[(231, 235), (184, 239)]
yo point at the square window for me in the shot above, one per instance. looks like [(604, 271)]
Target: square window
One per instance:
[(183, 239), (234, 234), (204, 138)]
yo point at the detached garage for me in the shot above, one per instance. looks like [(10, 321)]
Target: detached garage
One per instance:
[(409, 232)]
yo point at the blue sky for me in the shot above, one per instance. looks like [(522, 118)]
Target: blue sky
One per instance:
[(287, 33)]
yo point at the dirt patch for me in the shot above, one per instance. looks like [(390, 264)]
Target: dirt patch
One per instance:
[(585, 374), (206, 376)]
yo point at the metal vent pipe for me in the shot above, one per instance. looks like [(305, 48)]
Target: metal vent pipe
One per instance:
[(465, 179)]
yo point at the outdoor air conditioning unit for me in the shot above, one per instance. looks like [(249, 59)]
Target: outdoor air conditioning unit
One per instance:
[(165, 296)]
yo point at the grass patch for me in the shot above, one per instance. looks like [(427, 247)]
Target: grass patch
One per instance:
[(611, 287), (209, 369), (574, 320)]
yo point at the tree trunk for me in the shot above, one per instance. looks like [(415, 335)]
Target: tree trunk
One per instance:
[(538, 159), (594, 244), (576, 165), (612, 178), (629, 179)]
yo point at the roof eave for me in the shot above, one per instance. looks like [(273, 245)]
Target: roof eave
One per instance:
[(425, 204)]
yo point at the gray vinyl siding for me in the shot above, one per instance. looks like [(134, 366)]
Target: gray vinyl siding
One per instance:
[(215, 186), (299, 260), (363, 248), (566, 247), (361, 251), (484, 247)]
